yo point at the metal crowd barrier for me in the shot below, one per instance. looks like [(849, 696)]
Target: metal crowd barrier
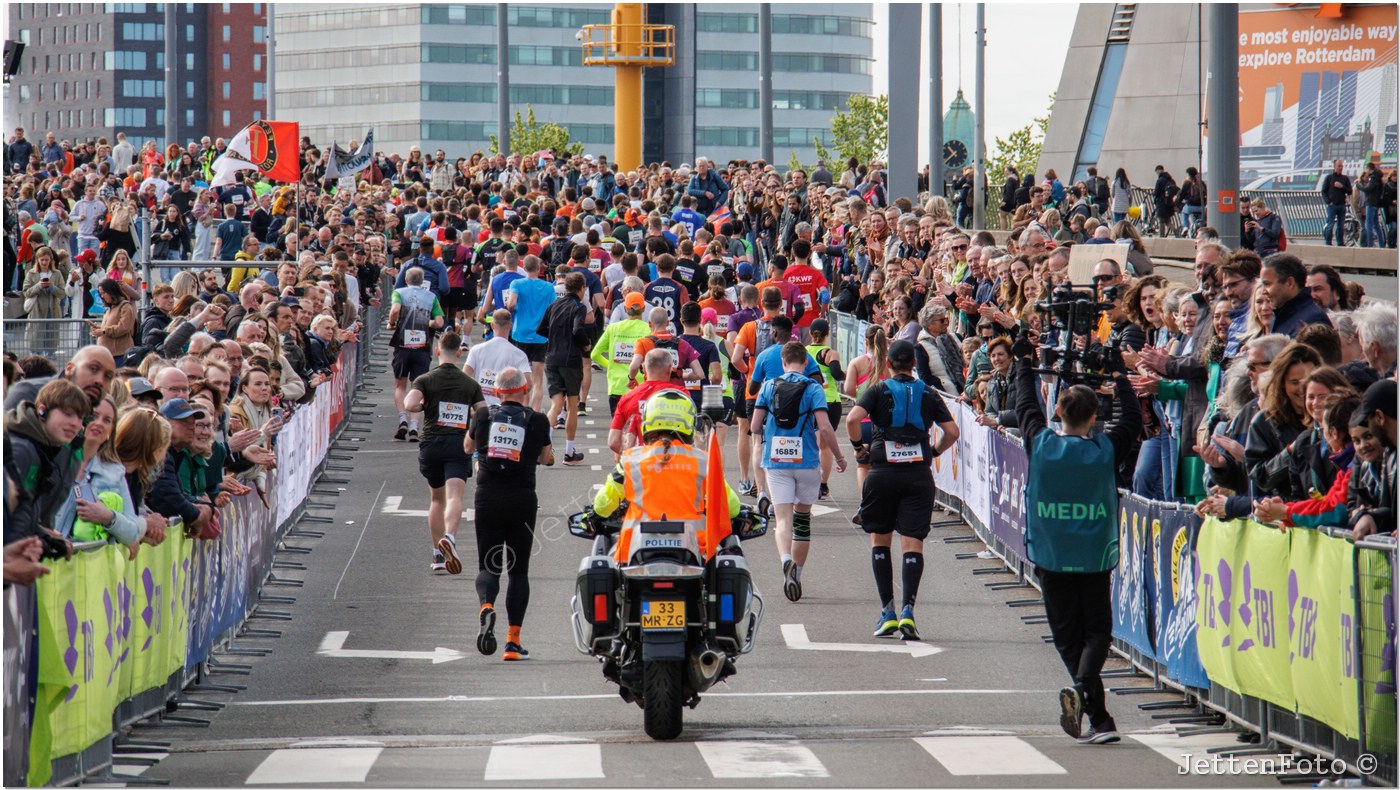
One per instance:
[(56, 338), (1164, 532)]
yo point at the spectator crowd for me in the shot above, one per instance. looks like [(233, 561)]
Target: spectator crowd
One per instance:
[(1262, 384)]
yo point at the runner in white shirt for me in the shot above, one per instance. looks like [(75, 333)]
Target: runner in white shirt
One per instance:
[(485, 360)]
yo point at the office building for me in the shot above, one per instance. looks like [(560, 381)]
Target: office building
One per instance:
[(425, 74), (95, 69)]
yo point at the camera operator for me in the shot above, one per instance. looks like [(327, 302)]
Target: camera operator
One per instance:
[(1071, 529)]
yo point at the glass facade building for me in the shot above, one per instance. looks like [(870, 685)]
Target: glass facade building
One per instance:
[(425, 74)]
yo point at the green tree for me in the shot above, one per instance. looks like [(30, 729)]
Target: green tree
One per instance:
[(528, 135), (862, 131), (1021, 148), (794, 163)]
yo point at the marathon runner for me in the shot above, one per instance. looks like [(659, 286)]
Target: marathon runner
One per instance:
[(528, 299), (568, 327), (486, 360), (414, 314), (791, 412), (614, 351), (447, 397), (509, 441)]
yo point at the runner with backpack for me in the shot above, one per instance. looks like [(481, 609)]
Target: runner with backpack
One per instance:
[(791, 408), (897, 494)]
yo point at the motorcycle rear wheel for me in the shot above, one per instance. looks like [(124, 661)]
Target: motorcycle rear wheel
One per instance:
[(661, 685)]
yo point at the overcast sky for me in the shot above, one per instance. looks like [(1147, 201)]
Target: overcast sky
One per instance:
[(1026, 45)]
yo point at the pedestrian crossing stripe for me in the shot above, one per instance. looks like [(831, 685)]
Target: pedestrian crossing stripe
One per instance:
[(547, 758)]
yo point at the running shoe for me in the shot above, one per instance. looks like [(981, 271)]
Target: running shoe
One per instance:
[(1071, 711), (402, 432), (907, 628), (438, 563), (514, 652), (573, 459), (746, 488), (765, 506), (824, 492), (887, 624), (1098, 737), (582, 409), (486, 637), (792, 587), (559, 423), (413, 434), (448, 548)]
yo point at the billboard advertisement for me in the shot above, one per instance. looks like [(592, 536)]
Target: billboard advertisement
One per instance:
[(1316, 84)]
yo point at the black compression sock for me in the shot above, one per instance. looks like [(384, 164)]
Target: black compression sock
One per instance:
[(913, 574), (884, 574)]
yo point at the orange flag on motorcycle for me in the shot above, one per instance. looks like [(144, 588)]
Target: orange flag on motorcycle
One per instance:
[(716, 499)]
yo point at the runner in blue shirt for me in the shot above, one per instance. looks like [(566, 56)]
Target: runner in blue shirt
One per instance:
[(528, 299), (687, 216), (792, 410)]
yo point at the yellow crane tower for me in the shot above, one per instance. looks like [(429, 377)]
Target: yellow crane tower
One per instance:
[(629, 45)]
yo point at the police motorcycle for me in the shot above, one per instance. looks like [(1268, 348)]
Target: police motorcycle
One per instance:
[(665, 625)]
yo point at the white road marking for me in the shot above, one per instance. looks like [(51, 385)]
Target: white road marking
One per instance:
[(823, 510), (392, 508), (333, 646), (596, 468), (527, 762), (590, 436), (319, 766), (368, 517), (760, 760), (988, 755), (572, 697), (593, 449), (1185, 752), (795, 634)]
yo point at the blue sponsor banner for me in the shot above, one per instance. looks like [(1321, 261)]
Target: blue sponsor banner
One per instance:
[(1174, 546), (1134, 583), (1008, 470)]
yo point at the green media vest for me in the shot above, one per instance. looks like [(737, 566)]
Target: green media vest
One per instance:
[(1072, 504)]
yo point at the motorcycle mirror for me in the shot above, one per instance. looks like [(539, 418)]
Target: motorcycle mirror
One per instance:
[(751, 526), (578, 526)]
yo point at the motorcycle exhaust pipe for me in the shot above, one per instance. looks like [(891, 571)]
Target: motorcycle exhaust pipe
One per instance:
[(705, 665)]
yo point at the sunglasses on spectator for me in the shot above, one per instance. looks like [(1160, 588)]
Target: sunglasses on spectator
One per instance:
[(1104, 278), (959, 247)]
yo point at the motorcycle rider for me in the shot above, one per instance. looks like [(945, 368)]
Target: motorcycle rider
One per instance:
[(663, 478)]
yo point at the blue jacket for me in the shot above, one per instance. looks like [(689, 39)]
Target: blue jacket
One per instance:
[(711, 183), (1300, 311), (102, 476), (434, 275)]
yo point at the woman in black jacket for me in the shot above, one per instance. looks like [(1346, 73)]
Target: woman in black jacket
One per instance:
[(170, 237), (1279, 422), (1008, 196)]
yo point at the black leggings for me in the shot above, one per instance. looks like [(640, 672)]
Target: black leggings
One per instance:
[(505, 535)]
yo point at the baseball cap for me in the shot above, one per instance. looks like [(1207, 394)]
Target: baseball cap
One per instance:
[(634, 300), (744, 270), (587, 204), (1379, 397), (820, 325), (142, 386), (901, 354), (179, 409), (709, 316)]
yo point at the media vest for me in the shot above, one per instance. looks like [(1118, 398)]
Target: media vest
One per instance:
[(1072, 504)]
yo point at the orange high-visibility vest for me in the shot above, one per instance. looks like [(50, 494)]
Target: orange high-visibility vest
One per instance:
[(663, 484)]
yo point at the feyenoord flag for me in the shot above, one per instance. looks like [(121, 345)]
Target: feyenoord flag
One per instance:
[(268, 146), (341, 163)]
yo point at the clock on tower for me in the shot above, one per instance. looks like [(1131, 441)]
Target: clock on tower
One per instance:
[(954, 153)]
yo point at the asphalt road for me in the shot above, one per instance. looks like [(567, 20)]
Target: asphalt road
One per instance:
[(976, 708)]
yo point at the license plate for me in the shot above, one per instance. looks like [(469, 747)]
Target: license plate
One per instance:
[(663, 614)]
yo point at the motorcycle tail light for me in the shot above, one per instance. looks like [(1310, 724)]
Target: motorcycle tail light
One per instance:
[(662, 585), (600, 608)]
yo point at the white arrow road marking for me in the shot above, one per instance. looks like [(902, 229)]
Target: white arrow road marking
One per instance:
[(823, 510), (392, 503), (795, 634), (334, 647)]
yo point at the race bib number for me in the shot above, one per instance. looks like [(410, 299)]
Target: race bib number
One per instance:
[(786, 450), (623, 353), (675, 357), (897, 453), (634, 238), (415, 338), (807, 301), (722, 323), (595, 265), (488, 383), (453, 415), (686, 273), (716, 270), (560, 290), (237, 200), (507, 441)]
